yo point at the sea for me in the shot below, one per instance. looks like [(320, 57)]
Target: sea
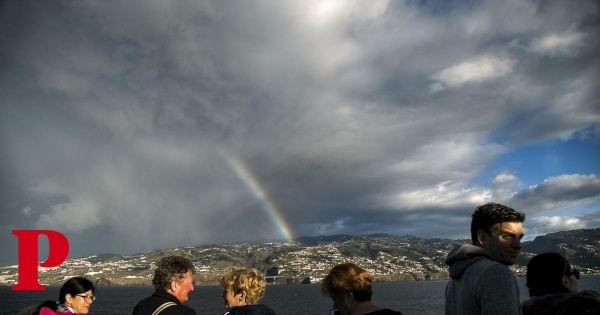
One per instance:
[(409, 297)]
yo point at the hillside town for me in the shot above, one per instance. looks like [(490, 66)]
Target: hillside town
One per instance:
[(386, 257)]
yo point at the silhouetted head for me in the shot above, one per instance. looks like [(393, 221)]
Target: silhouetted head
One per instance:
[(551, 273)]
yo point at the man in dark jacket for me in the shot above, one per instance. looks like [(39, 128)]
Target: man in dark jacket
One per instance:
[(480, 280), (173, 280)]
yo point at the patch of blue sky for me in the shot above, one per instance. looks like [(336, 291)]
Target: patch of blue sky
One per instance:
[(533, 164), (575, 210), (441, 7)]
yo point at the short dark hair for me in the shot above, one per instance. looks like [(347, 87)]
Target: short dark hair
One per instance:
[(544, 274), (170, 268), (489, 214), (74, 286)]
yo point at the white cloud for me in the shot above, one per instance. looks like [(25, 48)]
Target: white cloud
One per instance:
[(574, 181), (505, 185), (545, 224), (446, 194), (456, 153), (505, 179), (27, 211), (480, 69), (76, 216), (565, 44)]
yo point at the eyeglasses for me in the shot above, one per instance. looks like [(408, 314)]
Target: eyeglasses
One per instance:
[(90, 298), (574, 272)]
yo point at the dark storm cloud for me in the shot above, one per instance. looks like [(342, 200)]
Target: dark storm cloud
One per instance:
[(556, 192), (117, 120)]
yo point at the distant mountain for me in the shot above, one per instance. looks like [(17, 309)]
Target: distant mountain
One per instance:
[(388, 257), (581, 247), (102, 258)]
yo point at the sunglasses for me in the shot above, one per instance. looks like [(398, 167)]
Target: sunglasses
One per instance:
[(574, 272)]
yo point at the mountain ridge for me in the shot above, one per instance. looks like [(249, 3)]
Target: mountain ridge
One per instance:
[(388, 257)]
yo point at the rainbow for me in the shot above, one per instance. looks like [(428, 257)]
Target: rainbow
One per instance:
[(250, 181)]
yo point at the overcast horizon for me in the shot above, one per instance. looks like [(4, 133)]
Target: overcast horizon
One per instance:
[(139, 125)]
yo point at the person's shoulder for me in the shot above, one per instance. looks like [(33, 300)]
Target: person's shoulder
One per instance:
[(59, 311), (179, 310), (151, 303), (142, 304), (584, 302), (497, 278), (494, 269), (47, 311), (591, 294), (147, 299), (498, 275), (386, 311), (486, 267), (265, 310), (537, 304), (254, 309), (497, 266)]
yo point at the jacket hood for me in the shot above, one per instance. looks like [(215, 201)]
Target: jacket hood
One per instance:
[(463, 256)]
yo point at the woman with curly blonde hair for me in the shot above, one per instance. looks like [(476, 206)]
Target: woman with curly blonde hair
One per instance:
[(242, 290), (350, 288)]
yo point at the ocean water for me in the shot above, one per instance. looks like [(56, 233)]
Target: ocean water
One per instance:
[(411, 298)]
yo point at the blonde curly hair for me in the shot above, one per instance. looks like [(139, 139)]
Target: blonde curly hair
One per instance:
[(242, 279)]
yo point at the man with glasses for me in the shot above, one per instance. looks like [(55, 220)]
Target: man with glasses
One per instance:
[(480, 280), (173, 280)]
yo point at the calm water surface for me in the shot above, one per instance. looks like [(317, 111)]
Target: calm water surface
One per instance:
[(411, 298)]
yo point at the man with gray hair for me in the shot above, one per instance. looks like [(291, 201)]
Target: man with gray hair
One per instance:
[(480, 280), (173, 280)]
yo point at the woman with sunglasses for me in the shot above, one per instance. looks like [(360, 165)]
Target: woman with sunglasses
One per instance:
[(553, 287), (75, 297)]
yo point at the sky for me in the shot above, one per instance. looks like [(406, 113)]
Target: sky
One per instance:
[(130, 126)]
